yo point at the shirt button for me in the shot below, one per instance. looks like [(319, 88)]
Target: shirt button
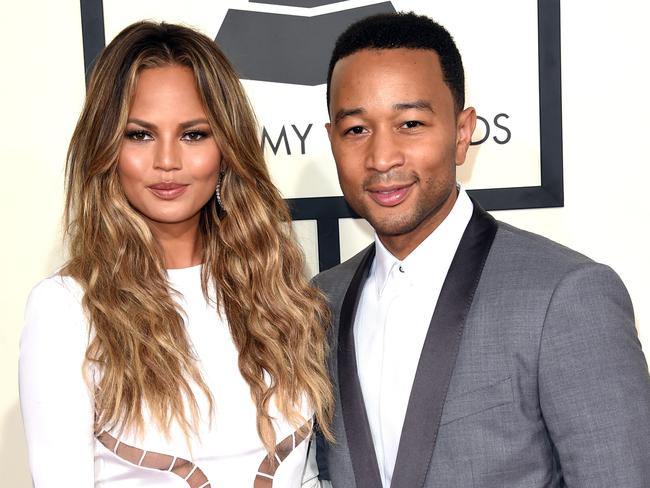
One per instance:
[(401, 270)]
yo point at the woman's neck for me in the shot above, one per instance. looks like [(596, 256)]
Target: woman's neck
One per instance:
[(180, 243)]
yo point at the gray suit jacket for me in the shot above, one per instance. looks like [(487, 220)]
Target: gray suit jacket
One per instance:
[(531, 374)]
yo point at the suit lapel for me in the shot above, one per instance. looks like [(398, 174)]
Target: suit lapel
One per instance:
[(355, 419), (439, 352)]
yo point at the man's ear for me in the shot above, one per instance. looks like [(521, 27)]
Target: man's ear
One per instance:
[(328, 128), (465, 124)]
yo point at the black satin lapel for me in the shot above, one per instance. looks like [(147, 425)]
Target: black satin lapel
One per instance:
[(357, 429), (439, 352)]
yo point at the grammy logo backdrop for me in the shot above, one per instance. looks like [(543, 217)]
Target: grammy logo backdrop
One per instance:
[(511, 54)]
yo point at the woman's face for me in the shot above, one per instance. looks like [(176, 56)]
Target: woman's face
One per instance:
[(169, 160)]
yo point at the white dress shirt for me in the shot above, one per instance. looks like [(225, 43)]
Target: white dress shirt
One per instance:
[(393, 316)]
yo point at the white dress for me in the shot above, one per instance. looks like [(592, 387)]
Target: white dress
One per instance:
[(58, 411)]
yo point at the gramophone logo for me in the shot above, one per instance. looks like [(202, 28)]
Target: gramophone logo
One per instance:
[(287, 48)]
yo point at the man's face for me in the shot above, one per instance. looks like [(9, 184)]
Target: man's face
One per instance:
[(397, 140)]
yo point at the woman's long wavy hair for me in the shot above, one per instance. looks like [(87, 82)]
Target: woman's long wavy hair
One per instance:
[(138, 339)]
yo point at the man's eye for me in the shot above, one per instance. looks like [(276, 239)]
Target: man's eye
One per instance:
[(194, 135), (356, 130), (138, 135), (411, 124)]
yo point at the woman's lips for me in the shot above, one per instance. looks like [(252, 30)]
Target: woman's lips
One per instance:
[(390, 196), (168, 191)]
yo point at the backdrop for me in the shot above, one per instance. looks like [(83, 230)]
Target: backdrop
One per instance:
[(281, 52), (561, 101)]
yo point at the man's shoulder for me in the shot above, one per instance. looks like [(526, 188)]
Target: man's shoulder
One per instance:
[(521, 260), (514, 243)]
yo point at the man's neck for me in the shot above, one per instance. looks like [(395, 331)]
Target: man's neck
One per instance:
[(402, 245)]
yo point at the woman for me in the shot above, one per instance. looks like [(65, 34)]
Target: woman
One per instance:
[(180, 345)]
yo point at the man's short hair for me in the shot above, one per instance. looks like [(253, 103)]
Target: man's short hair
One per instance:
[(403, 30)]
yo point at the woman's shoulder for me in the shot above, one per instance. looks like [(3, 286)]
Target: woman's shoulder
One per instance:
[(54, 308), (56, 289)]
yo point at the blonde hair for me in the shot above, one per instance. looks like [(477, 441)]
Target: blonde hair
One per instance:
[(139, 344)]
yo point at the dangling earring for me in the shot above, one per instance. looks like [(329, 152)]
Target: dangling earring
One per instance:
[(217, 192)]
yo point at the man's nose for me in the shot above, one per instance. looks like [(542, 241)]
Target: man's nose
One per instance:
[(385, 151)]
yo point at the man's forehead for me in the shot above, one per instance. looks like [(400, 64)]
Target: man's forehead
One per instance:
[(418, 64), (388, 80), (388, 55), (373, 69)]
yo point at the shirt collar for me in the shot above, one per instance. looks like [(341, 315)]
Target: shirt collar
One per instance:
[(382, 265), (442, 243)]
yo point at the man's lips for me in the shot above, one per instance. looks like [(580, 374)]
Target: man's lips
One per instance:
[(390, 195), (167, 191)]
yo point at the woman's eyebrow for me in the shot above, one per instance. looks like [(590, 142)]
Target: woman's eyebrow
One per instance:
[(190, 123)]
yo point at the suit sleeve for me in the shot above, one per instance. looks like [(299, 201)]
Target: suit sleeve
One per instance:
[(56, 405), (593, 382)]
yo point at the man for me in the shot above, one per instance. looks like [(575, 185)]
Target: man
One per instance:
[(465, 352)]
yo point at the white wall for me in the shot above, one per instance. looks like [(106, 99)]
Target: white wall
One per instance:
[(41, 90), (605, 80)]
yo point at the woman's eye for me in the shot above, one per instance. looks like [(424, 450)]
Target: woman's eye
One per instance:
[(138, 135), (194, 135)]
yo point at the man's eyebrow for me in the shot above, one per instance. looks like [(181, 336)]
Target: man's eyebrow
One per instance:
[(417, 105), (341, 114)]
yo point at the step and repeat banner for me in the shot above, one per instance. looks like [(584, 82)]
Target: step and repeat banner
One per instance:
[(281, 50)]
